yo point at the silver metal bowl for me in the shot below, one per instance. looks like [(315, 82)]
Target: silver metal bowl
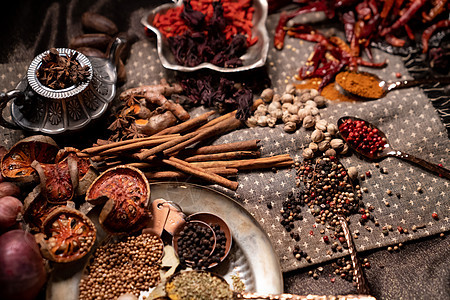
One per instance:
[(254, 57)]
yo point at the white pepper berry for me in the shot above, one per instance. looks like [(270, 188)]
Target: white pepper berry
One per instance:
[(324, 146), (314, 93), (322, 125), (332, 129), (320, 101), (309, 121), (287, 98), (290, 127), (317, 136), (290, 88), (307, 153), (330, 152), (303, 112), (313, 146), (337, 144)]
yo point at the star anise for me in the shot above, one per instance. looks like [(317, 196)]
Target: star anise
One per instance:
[(119, 124), (133, 133)]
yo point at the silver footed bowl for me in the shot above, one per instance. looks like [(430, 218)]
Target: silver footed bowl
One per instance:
[(36, 107)]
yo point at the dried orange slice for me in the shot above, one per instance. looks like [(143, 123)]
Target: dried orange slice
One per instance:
[(36, 209), (67, 235), (16, 164), (125, 191)]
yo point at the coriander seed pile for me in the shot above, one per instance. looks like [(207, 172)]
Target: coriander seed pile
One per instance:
[(128, 266)]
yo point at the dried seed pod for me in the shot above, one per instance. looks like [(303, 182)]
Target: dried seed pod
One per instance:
[(303, 112), (332, 129), (320, 101), (314, 111), (271, 121), (286, 106), (324, 146), (352, 173), (322, 125), (313, 146), (330, 152), (310, 103), (337, 144), (305, 97), (317, 136), (261, 109), (327, 136), (300, 92), (267, 95), (314, 93), (290, 127), (285, 117), (287, 98), (273, 106), (276, 98), (277, 113), (307, 153), (309, 121), (290, 89), (93, 22), (345, 149), (294, 118), (293, 109), (262, 121), (252, 121)]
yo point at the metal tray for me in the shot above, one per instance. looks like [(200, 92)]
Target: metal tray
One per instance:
[(252, 256), (255, 56)]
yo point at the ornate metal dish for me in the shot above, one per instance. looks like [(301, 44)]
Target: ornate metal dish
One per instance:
[(35, 107), (252, 256), (255, 57)]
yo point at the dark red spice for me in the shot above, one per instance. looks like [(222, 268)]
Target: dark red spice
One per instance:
[(364, 216), (362, 137), (400, 229), (435, 216), (326, 239)]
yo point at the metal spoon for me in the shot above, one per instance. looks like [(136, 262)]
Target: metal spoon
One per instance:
[(388, 151), (381, 87)]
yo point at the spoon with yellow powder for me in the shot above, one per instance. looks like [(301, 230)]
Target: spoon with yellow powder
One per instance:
[(370, 86)]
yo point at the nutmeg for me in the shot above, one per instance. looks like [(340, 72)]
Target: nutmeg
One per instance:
[(317, 136)]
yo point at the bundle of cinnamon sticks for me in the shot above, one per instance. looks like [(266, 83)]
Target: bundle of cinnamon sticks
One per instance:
[(178, 147)]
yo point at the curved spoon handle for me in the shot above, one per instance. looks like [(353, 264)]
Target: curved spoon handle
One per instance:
[(402, 84), (257, 296), (441, 171)]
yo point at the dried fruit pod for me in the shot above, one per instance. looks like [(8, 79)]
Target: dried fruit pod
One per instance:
[(309, 121), (99, 41), (337, 144), (290, 127), (313, 146), (67, 235), (267, 95), (93, 22), (59, 180), (324, 146), (332, 129), (16, 164), (36, 209), (125, 191), (330, 152), (307, 153), (322, 125), (317, 136)]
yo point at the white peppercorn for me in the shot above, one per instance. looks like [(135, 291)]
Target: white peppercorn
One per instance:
[(286, 106), (285, 117), (314, 93), (290, 88), (290, 127), (271, 121), (305, 97), (317, 136), (261, 109), (276, 98), (273, 106), (277, 113), (294, 118), (314, 111), (307, 153), (267, 95), (309, 121), (310, 103), (293, 109), (303, 112)]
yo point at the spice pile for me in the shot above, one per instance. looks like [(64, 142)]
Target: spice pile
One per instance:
[(59, 72), (218, 32), (128, 266), (361, 84)]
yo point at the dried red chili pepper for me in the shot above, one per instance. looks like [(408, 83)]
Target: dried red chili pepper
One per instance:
[(67, 235), (427, 33)]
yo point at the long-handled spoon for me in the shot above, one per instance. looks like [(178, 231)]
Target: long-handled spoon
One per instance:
[(381, 147), (351, 82)]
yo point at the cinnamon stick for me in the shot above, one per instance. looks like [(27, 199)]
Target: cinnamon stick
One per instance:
[(219, 119), (222, 127), (224, 156), (200, 173), (160, 175), (104, 147), (136, 145), (188, 125), (228, 147), (249, 164)]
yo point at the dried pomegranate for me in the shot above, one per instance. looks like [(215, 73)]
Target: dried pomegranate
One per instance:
[(16, 164), (67, 235), (58, 181), (126, 193)]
